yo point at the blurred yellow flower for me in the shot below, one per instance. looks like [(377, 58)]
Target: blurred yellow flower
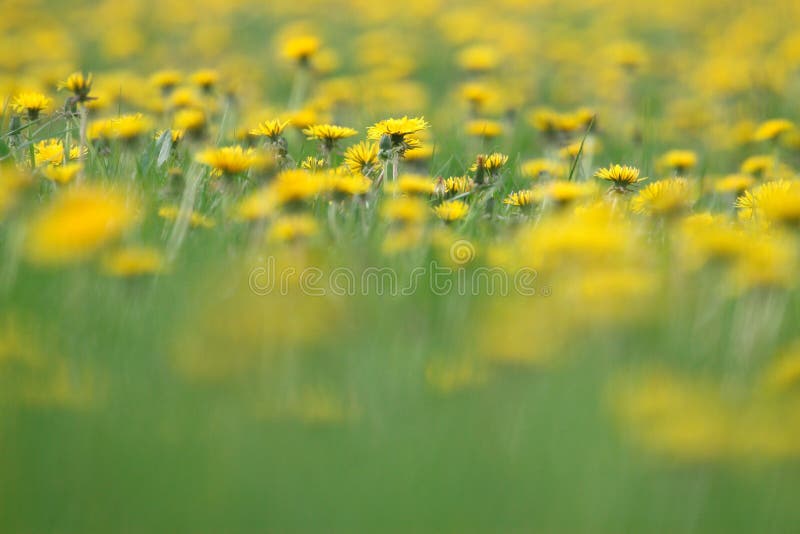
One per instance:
[(77, 223)]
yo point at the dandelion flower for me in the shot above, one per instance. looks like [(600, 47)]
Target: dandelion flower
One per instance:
[(539, 168), (492, 163), (406, 210), (485, 128), (227, 161), (521, 199), (79, 84), (301, 48), (679, 161), (166, 80), (272, 129), (130, 127), (349, 185), (32, 104), (290, 228), (328, 134), (562, 192), (772, 129), (77, 223), (132, 262), (451, 210), (413, 184), (205, 79), (664, 197), (777, 201), (62, 174), (456, 185), (621, 176), (196, 219), (396, 130), (362, 158), (734, 183)]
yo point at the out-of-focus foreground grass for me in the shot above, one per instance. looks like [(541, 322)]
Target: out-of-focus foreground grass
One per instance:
[(360, 266)]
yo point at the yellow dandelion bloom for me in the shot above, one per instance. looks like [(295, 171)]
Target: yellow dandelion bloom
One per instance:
[(206, 79), (350, 185), (131, 126), (407, 210), (777, 201), (679, 161), (328, 132), (362, 158), (312, 164), (32, 104), (290, 228), (538, 168), (301, 48), (79, 84), (664, 197), (397, 129), (734, 183), (297, 185), (492, 163), (521, 199), (622, 176), (51, 151), (272, 128), (62, 174), (131, 262), (189, 120), (166, 80), (227, 160), (413, 184), (196, 219), (456, 185), (478, 58), (484, 128), (451, 210), (258, 205), (772, 129), (758, 166), (563, 192), (77, 223)]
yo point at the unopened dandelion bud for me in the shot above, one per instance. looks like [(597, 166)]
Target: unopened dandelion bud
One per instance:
[(440, 189), (480, 171), (385, 147)]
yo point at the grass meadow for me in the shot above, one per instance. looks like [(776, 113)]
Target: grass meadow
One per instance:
[(414, 266)]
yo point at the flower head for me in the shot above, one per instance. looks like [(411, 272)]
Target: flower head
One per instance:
[(205, 79), (132, 262), (492, 163), (664, 197), (679, 161), (622, 176), (228, 160), (521, 199), (301, 48), (451, 210), (62, 174), (328, 134), (395, 132), (290, 228), (79, 84), (31, 104), (484, 128), (772, 129), (777, 201), (272, 129), (77, 223), (362, 158)]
